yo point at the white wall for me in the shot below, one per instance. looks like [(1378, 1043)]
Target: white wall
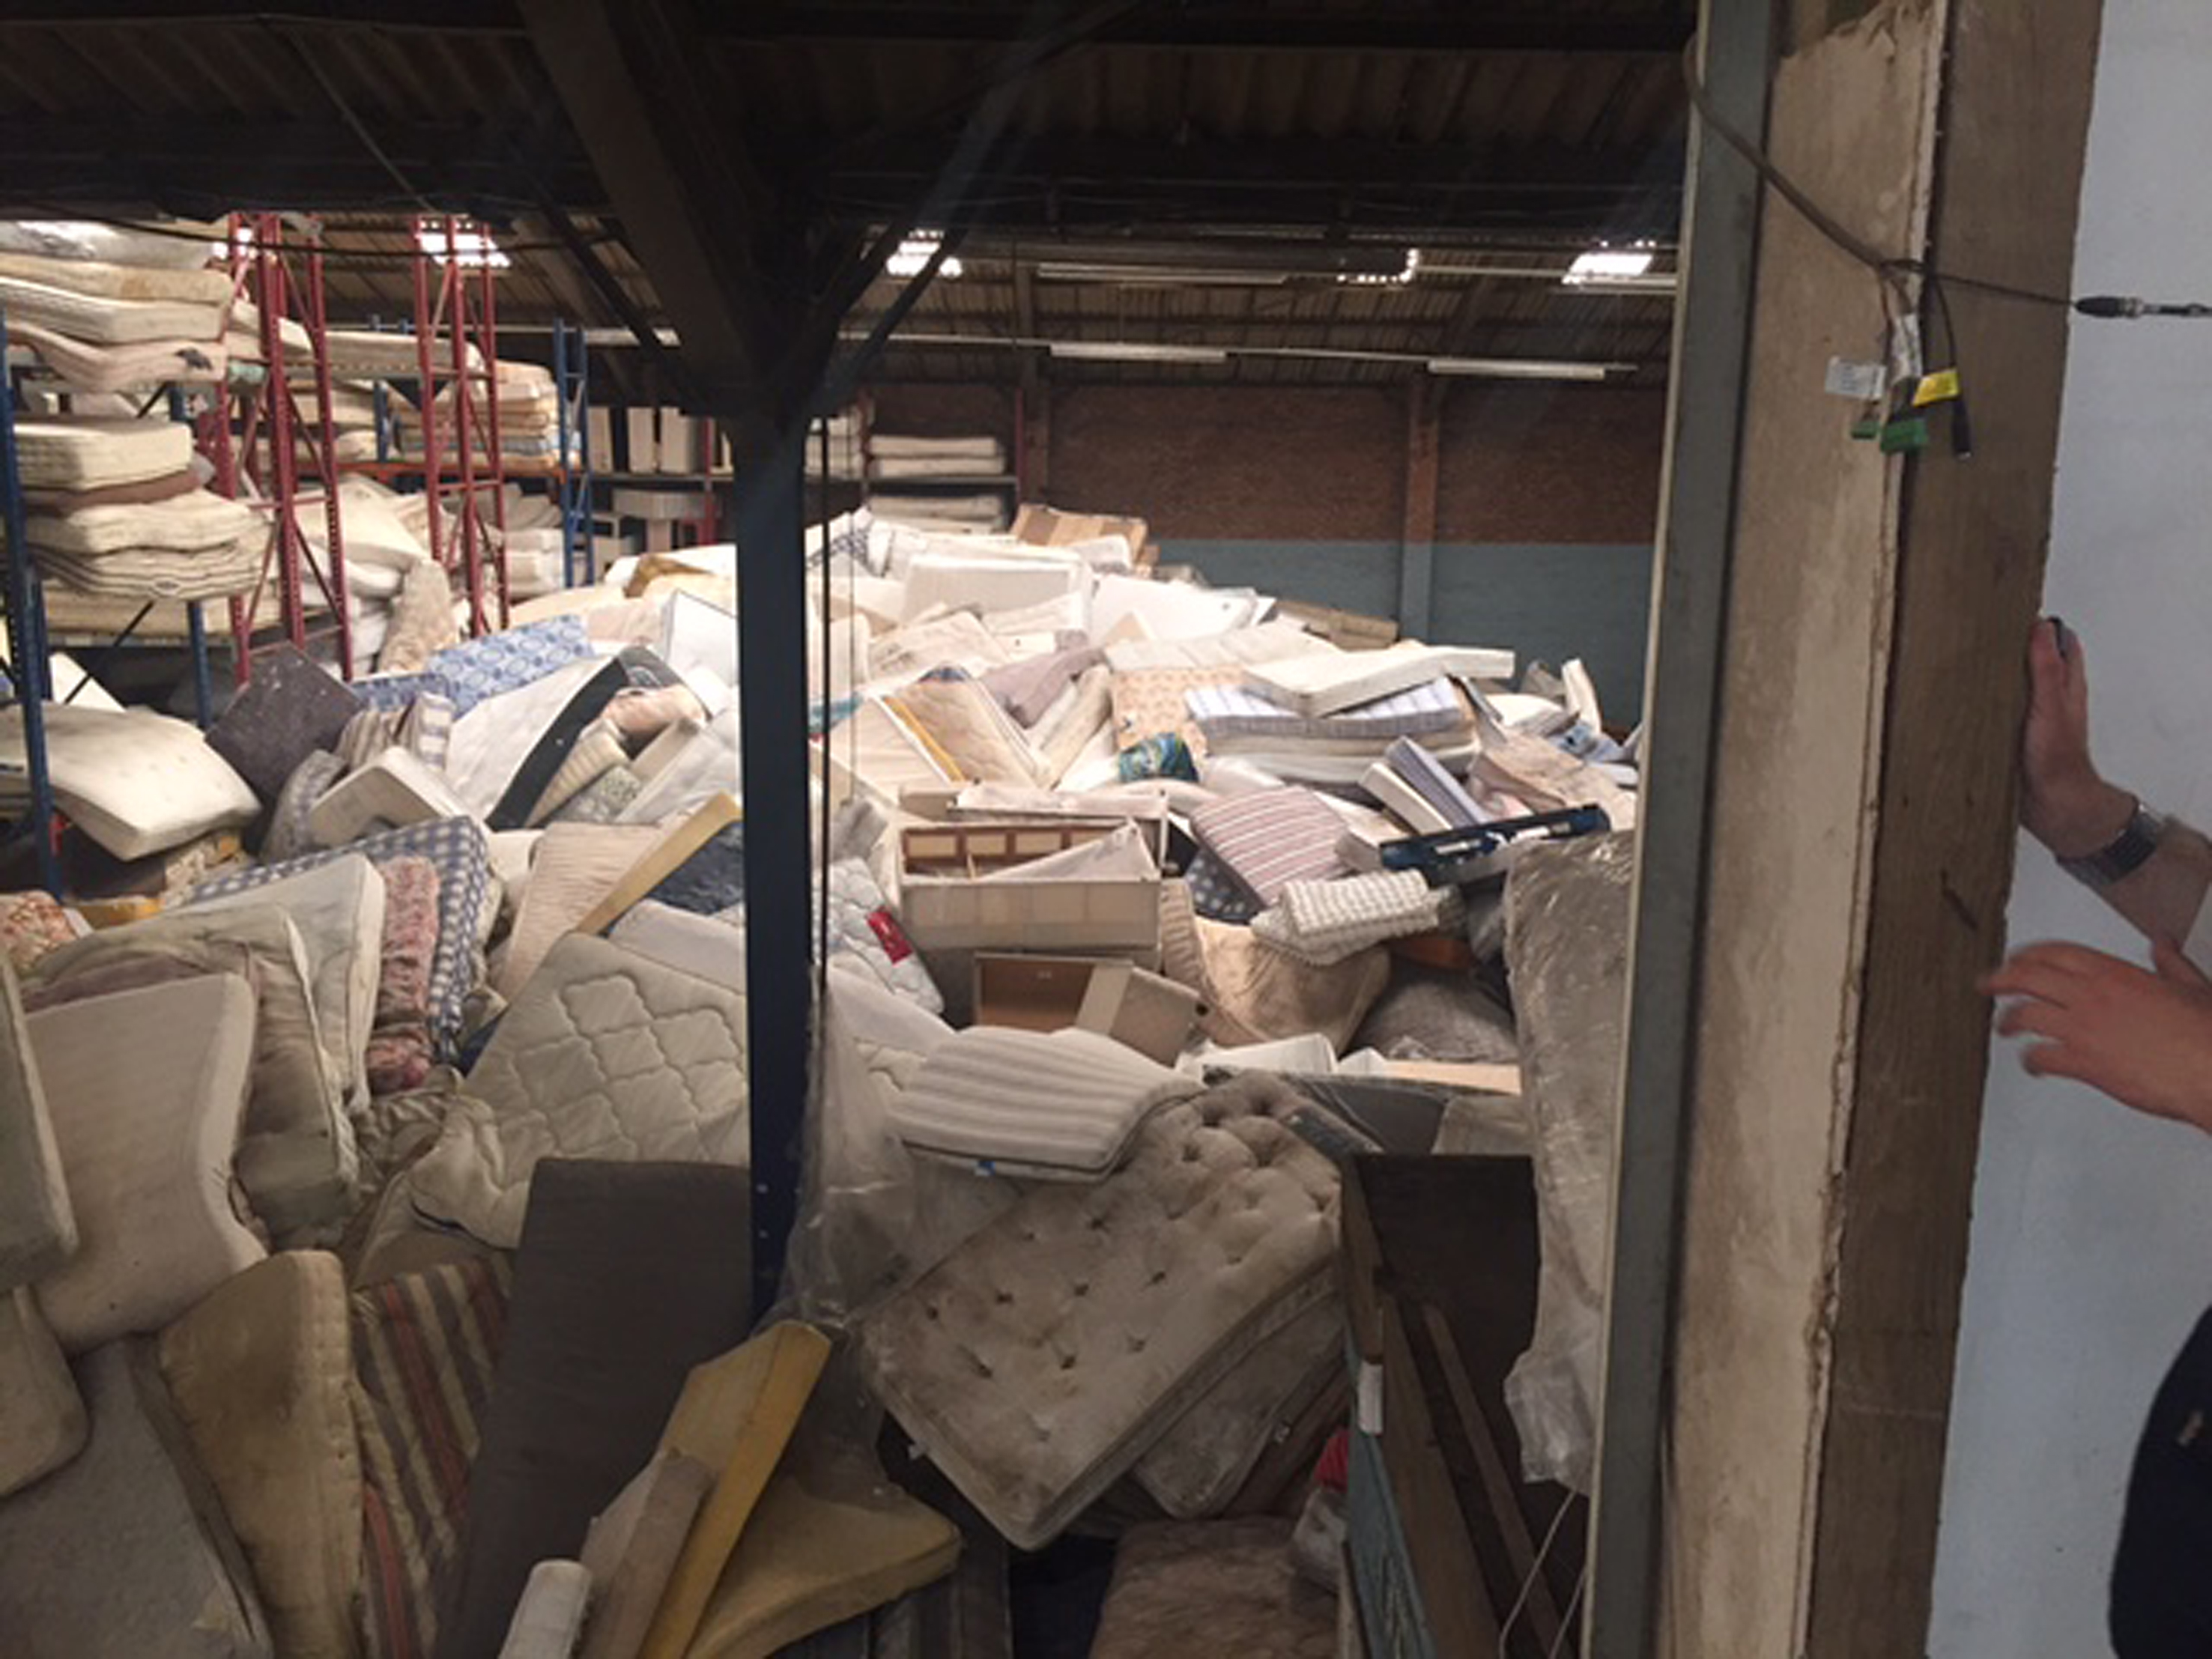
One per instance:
[(2091, 1244)]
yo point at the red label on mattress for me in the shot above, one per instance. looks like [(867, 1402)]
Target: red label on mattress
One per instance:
[(896, 946)]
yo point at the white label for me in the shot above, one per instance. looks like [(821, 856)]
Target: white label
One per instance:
[(1863, 383), (1906, 360), (1369, 1394)]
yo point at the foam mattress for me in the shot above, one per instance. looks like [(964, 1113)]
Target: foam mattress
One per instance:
[(605, 1055), (88, 452), (1043, 1356), (135, 782), (154, 1084)]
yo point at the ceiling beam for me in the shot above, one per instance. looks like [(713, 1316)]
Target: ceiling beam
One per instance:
[(1401, 28), (691, 207), (1456, 29)]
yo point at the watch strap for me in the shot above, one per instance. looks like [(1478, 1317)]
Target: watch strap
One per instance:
[(2123, 855)]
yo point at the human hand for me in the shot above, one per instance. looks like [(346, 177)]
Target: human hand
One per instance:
[(2065, 803), (2143, 1038)]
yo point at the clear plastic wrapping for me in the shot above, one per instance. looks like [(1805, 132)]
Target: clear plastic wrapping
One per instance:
[(1567, 929)]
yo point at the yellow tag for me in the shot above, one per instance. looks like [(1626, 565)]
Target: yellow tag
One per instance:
[(1941, 387)]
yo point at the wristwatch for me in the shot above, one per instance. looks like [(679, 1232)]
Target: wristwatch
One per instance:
[(2122, 856)]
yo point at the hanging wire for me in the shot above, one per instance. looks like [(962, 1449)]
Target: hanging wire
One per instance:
[(1535, 1573)]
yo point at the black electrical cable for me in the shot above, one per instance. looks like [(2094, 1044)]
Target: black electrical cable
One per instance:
[(1892, 267)]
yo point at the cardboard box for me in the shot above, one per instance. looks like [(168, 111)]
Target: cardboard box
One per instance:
[(680, 447), (1113, 997), (947, 904), (642, 442), (1048, 526)]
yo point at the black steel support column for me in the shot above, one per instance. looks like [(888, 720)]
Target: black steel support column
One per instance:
[(769, 517)]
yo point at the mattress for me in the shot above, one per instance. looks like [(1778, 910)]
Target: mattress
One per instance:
[(959, 641), (1425, 773), (1227, 1586), (1433, 708), (864, 930), (631, 1547), (1173, 610), (549, 1616), (1074, 724), (1323, 922), (493, 738), (88, 452), (1270, 838), (38, 1225), (146, 1139), (89, 367), (394, 789), (160, 1529), (286, 836), (1058, 1105), (966, 724), (1267, 642), (1414, 810), (1545, 777), (378, 354), (101, 320), (706, 947), (886, 750), (291, 707), (990, 583), (137, 782), (457, 848), (1148, 701), (1045, 1355), (1256, 993), (294, 1154), (260, 1372), (1197, 1468), (1324, 682), (1026, 689), (156, 572), (576, 866), (42, 1421), (101, 279), (167, 488), (478, 669), (425, 1345), (190, 523), (981, 450), (605, 1055), (338, 908), (598, 751)]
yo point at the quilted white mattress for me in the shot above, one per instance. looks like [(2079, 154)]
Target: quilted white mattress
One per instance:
[(135, 782), (139, 574), (1324, 682), (87, 452), (1044, 1356), (606, 1055), (91, 367), (104, 280)]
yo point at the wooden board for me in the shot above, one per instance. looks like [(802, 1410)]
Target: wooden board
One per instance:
[(1806, 654), (2015, 122)]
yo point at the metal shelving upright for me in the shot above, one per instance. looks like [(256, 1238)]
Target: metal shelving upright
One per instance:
[(572, 379), (28, 666)]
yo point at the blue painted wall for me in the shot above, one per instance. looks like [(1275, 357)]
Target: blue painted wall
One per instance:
[(1551, 602)]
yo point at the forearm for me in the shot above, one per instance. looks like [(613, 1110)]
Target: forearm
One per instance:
[(2163, 897)]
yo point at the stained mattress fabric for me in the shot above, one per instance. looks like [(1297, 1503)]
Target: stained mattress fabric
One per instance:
[(167, 1575), (1042, 1358), (42, 1421), (146, 1133), (605, 1055), (629, 1275), (88, 452), (259, 1373)]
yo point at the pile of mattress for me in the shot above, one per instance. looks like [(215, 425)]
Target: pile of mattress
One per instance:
[(109, 311), (116, 510), (908, 479), (444, 970), (529, 406)]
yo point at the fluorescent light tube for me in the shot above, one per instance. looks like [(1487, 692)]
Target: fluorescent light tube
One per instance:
[(1600, 263), (1136, 351), (1519, 368)]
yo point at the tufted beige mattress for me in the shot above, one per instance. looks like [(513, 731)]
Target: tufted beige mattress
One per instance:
[(1040, 1359)]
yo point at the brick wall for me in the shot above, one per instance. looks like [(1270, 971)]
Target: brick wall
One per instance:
[(1517, 464)]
